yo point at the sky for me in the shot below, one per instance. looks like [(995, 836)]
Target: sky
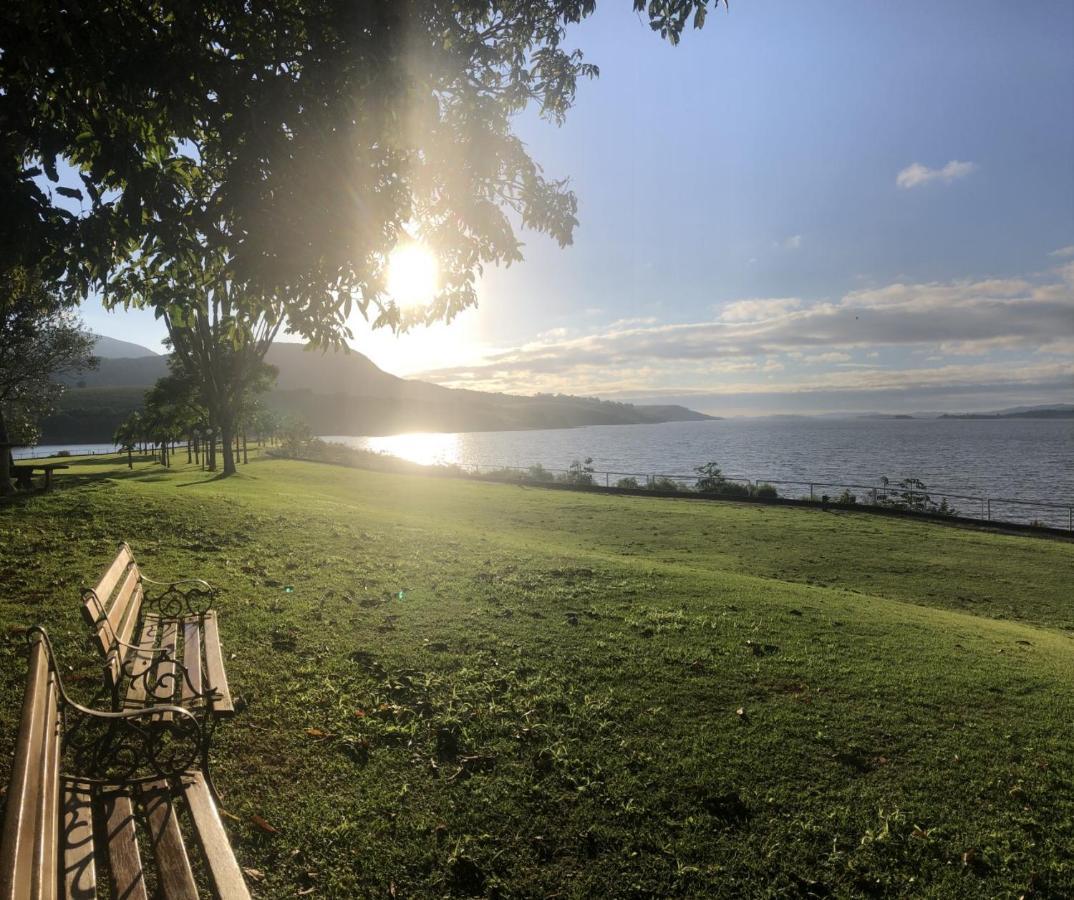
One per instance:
[(802, 208)]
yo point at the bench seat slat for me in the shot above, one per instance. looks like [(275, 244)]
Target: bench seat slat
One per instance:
[(20, 820), (142, 661), (175, 877), (79, 868), (214, 666), (226, 875), (44, 872), (128, 877), (191, 660), (164, 689)]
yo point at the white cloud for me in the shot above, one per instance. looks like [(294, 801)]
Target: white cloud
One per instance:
[(916, 174), (1063, 252), (794, 242), (749, 338), (758, 310)]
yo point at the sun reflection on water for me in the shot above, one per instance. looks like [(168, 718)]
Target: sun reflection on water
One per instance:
[(424, 448)]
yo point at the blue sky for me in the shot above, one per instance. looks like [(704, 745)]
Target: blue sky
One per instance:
[(747, 243)]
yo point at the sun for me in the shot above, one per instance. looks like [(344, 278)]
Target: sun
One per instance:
[(413, 275)]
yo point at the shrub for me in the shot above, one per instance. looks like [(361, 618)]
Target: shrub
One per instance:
[(580, 472), (663, 483), (846, 498), (733, 489), (710, 478), (63, 453), (765, 491), (539, 473), (630, 482)]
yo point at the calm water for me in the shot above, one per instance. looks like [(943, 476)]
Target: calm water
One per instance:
[(52, 449), (1027, 459), (1030, 459)]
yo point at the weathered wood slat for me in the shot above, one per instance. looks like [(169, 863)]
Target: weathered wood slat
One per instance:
[(142, 661), (110, 578), (128, 877), (125, 612), (79, 868), (164, 689), (47, 825), (174, 875), (191, 659), (225, 872), (20, 820), (214, 666)]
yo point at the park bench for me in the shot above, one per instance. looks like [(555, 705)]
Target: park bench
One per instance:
[(100, 800), (24, 474), (163, 649)]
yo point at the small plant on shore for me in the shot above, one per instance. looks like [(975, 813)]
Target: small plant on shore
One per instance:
[(539, 473), (630, 482), (765, 491), (579, 472), (710, 478), (846, 498)]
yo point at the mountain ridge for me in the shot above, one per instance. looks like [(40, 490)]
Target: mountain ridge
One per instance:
[(344, 393)]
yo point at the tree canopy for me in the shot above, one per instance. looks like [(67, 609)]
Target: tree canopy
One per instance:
[(39, 338), (322, 131)]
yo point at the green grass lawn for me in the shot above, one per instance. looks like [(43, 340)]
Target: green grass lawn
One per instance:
[(459, 688)]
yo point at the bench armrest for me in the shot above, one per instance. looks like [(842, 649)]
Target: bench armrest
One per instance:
[(109, 746)]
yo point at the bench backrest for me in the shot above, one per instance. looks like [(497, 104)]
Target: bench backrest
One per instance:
[(111, 608), (29, 850)]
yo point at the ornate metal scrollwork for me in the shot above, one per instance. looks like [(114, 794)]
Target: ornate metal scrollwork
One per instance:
[(157, 675), (125, 745), (178, 600), (132, 745)]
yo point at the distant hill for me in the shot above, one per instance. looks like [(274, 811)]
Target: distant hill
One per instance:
[(342, 393), (1058, 411), (111, 348)]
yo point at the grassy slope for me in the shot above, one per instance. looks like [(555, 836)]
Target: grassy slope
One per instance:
[(550, 709)]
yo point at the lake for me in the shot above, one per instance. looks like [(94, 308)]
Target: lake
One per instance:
[(1028, 459)]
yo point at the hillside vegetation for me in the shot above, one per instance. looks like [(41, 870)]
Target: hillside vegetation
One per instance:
[(467, 689), (345, 393)]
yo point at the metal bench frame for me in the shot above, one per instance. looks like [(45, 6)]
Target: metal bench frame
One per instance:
[(120, 761), (138, 632)]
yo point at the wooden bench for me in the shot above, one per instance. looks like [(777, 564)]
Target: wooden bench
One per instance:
[(24, 474), (101, 800), (159, 650)]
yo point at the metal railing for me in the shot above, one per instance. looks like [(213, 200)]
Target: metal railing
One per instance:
[(927, 498)]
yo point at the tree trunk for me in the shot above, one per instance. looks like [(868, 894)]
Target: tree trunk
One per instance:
[(6, 487), (245, 451), (227, 444), (130, 456), (210, 450)]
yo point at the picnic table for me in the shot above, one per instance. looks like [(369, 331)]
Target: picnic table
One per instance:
[(24, 473)]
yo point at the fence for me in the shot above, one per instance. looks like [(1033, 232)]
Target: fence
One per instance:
[(986, 509)]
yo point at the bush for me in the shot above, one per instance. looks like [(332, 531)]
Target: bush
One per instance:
[(846, 498), (765, 491), (662, 483), (539, 473), (63, 453), (579, 473), (710, 478), (630, 482), (732, 489)]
